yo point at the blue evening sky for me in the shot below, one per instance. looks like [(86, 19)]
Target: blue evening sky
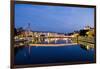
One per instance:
[(53, 18)]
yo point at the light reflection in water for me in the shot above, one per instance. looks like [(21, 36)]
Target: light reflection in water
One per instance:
[(56, 40)]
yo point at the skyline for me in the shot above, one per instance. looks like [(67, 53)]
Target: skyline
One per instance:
[(53, 18)]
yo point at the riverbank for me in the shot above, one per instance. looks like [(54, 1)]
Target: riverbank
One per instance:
[(53, 45)]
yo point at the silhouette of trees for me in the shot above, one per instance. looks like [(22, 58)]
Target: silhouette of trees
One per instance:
[(83, 32), (18, 31)]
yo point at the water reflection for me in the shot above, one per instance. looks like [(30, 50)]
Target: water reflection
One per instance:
[(41, 41), (87, 47), (49, 41), (49, 54), (52, 41)]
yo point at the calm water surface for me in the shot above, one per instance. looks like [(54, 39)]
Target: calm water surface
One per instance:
[(42, 55)]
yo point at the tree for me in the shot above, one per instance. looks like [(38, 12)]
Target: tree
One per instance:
[(83, 32), (90, 33)]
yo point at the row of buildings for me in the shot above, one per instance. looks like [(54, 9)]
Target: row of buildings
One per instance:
[(29, 33), (24, 34)]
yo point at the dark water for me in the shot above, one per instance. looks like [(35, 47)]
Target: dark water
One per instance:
[(42, 55)]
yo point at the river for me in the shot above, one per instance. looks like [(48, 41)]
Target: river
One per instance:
[(58, 54)]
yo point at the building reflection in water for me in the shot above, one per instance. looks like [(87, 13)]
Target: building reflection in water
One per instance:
[(55, 40), (87, 47)]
